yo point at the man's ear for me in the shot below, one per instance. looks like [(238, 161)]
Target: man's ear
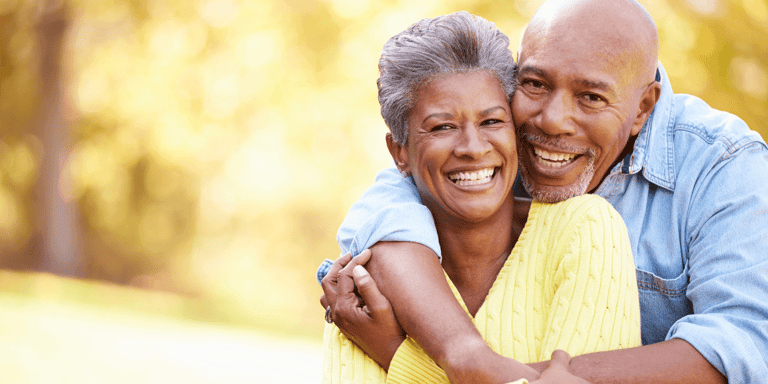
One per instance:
[(399, 154), (647, 102)]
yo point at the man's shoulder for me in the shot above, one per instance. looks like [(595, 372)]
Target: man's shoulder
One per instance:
[(696, 117)]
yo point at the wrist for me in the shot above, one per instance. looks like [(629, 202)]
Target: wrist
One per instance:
[(475, 363), (392, 346)]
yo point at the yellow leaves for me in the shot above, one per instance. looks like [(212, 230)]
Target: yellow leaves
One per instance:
[(218, 13), (19, 162), (749, 76), (757, 10)]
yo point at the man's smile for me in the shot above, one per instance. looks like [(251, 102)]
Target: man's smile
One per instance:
[(553, 159)]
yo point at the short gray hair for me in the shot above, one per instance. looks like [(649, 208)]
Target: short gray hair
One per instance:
[(448, 44)]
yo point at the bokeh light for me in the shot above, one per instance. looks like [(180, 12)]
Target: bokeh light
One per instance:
[(212, 147)]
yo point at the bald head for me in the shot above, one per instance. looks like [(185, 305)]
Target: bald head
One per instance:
[(619, 32)]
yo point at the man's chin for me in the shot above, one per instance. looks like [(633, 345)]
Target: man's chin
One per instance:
[(555, 194)]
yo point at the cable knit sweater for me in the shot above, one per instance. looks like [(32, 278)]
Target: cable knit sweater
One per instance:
[(568, 284)]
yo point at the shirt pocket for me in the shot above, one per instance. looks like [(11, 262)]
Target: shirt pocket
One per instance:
[(662, 303)]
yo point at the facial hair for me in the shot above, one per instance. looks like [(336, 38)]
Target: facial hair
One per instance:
[(554, 194)]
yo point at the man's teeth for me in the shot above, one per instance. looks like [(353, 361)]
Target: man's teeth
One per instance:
[(553, 159), (472, 178)]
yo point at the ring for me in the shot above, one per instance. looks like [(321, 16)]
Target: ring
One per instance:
[(328, 318)]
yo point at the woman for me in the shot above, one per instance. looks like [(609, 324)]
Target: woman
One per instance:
[(534, 278)]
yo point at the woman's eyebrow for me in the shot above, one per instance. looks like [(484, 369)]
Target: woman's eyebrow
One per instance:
[(491, 110), (441, 115)]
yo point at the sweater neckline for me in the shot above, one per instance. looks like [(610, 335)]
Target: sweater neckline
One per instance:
[(530, 223)]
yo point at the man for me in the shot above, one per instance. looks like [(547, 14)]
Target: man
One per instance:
[(595, 113)]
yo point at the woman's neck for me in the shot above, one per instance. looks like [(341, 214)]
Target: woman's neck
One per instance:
[(474, 253)]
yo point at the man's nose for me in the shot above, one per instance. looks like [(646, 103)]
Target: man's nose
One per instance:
[(472, 143), (557, 114)]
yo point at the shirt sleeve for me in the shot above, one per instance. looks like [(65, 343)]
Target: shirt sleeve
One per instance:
[(390, 210), (728, 266)]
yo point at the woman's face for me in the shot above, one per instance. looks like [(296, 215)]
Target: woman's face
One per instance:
[(461, 146)]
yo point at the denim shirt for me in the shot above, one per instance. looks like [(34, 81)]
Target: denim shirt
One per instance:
[(694, 196)]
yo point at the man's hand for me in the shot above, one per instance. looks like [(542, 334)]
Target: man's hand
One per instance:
[(360, 311), (558, 372)]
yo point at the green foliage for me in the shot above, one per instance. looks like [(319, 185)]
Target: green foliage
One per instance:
[(215, 145)]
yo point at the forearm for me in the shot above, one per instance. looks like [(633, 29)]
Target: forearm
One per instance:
[(671, 361), (411, 278)]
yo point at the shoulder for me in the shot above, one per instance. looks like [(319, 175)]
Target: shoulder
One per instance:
[(583, 219), (695, 117), (577, 209)]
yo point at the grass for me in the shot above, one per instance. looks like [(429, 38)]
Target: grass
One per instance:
[(59, 330)]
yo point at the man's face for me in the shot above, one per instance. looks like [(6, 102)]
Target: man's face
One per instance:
[(575, 110)]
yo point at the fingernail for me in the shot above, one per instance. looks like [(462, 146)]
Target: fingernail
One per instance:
[(359, 271)]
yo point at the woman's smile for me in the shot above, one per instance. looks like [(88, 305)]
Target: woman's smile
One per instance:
[(480, 177), (461, 146)]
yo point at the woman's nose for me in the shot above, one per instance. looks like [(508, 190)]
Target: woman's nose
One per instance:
[(472, 143)]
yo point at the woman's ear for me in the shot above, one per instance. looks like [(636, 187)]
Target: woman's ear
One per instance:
[(399, 154)]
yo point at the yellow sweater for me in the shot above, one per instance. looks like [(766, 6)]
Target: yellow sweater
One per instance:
[(568, 284)]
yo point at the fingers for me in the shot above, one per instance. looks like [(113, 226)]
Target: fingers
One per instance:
[(367, 288), (338, 265), (560, 357), (363, 257), (329, 281), (360, 259)]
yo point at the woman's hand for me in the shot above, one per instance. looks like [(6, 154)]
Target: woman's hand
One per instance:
[(360, 311)]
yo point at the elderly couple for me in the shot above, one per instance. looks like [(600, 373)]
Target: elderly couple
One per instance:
[(642, 256)]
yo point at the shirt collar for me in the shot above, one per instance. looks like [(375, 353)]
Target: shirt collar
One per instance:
[(653, 153)]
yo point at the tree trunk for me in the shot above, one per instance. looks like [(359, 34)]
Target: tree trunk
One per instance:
[(55, 240)]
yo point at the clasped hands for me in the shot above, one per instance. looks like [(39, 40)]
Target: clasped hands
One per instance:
[(365, 316)]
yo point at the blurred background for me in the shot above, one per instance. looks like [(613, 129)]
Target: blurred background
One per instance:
[(172, 172)]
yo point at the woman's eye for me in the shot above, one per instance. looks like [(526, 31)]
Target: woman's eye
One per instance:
[(441, 127), (492, 122)]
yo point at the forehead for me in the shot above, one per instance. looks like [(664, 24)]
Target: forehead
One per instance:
[(585, 51)]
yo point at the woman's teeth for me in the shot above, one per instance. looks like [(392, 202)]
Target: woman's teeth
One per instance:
[(472, 178), (553, 159)]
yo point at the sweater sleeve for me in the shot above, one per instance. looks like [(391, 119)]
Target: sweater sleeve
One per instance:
[(595, 305), (345, 362), (412, 365)]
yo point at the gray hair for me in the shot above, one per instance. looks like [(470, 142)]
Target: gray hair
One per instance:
[(448, 44)]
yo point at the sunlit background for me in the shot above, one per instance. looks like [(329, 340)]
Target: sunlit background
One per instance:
[(173, 171)]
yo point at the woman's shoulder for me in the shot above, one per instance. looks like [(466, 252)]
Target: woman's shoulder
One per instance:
[(587, 207)]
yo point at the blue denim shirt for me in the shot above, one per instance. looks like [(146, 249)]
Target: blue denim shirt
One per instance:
[(694, 196)]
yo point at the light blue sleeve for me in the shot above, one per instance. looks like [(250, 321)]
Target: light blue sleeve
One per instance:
[(390, 210), (728, 267)]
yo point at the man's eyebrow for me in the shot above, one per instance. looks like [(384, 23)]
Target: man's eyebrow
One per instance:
[(529, 69)]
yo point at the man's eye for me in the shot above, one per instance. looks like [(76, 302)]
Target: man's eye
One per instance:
[(593, 100), (532, 84), (491, 122), (593, 97)]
